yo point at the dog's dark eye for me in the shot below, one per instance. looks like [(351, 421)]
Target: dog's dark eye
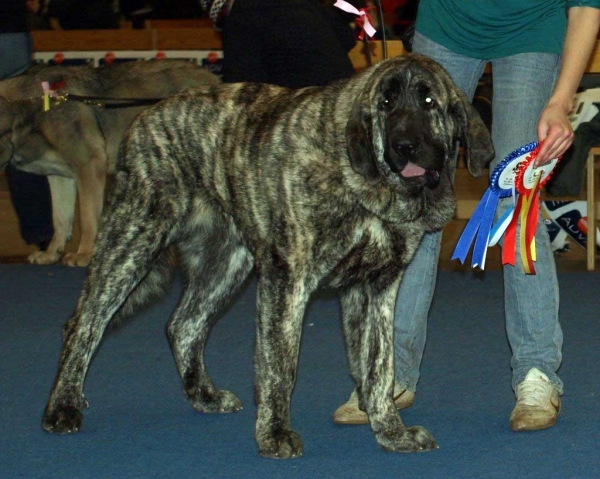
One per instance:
[(429, 102), (389, 97), (385, 104)]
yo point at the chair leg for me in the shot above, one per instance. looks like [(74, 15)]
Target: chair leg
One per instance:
[(591, 214)]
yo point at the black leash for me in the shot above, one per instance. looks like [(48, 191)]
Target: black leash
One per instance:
[(383, 37), (105, 102), (382, 25)]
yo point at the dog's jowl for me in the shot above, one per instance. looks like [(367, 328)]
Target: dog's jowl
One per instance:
[(332, 185)]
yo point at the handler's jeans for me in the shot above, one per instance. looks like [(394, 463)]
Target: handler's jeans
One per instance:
[(522, 85), (15, 53)]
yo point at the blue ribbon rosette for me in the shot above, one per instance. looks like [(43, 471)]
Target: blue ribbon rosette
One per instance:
[(480, 226)]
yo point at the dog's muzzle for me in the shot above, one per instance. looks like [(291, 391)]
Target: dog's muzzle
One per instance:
[(401, 163)]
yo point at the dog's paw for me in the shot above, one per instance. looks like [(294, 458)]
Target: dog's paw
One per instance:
[(76, 259), (411, 439), (43, 257), (284, 444), (63, 420), (216, 402)]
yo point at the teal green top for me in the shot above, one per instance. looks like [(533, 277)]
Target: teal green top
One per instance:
[(489, 29)]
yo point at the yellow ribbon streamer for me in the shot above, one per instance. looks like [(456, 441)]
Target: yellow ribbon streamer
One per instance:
[(528, 253)]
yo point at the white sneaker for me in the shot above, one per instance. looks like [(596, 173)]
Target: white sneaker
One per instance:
[(538, 403), (350, 413)]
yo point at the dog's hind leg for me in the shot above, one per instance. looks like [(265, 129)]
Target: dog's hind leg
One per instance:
[(215, 264), (126, 251)]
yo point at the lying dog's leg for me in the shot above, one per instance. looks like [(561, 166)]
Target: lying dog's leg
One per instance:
[(215, 264), (64, 195), (281, 304), (368, 328)]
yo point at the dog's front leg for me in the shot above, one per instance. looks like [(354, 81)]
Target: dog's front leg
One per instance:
[(368, 316), (281, 305), (91, 181)]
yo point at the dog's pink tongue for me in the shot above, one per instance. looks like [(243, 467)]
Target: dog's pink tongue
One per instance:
[(412, 170)]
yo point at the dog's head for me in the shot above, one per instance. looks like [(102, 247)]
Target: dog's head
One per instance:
[(22, 139), (405, 123)]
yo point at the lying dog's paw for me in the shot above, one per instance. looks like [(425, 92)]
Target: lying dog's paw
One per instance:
[(411, 439), (63, 420), (43, 257), (216, 402), (283, 444), (76, 259)]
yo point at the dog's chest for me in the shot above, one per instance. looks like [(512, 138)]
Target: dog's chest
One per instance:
[(378, 253)]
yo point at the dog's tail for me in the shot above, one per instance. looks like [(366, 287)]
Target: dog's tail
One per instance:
[(152, 287)]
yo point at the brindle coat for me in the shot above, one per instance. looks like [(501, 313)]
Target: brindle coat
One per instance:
[(332, 185)]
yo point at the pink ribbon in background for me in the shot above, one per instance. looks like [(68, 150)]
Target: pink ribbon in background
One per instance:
[(363, 20)]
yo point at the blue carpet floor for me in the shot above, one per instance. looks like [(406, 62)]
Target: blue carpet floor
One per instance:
[(139, 425)]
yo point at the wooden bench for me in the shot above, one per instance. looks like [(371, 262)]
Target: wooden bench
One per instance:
[(591, 207), (172, 38), (593, 67)]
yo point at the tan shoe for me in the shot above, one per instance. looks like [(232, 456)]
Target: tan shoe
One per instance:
[(350, 413), (538, 403)]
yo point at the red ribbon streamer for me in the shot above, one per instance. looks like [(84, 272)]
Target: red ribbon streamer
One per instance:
[(509, 247)]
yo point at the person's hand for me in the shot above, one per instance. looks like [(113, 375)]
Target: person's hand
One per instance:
[(554, 132)]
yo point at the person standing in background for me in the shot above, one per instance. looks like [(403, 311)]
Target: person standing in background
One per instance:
[(292, 43), (15, 41), (30, 193), (538, 50)]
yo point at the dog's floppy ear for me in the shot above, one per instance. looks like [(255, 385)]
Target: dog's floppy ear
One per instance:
[(473, 134), (359, 140)]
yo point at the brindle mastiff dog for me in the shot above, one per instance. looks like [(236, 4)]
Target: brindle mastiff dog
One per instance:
[(329, 185)]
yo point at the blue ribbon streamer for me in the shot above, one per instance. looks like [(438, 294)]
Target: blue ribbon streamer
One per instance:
[(471, 229), (478, 229), (483, 235)]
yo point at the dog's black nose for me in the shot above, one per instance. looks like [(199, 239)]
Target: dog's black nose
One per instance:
[(404, 148)]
